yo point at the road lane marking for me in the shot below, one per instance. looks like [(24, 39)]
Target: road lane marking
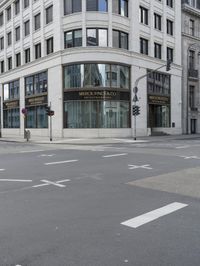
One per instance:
[(31, 151), (15, 180), (114, 155), (61, 162), (47, 183), (183, 147), (189, 157), (46, 155), (153, 215), (145, 166), (2, 170)]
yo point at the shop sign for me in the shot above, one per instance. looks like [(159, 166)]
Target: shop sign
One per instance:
[(155, 99), (11, 104), (36, 100), (97, 95)]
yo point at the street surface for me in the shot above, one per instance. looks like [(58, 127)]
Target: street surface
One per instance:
[(128, 203)]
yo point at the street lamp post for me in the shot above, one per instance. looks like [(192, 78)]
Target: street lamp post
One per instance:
[(187, 89)]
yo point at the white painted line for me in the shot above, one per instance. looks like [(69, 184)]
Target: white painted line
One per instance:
[(14, 180), (52, 183), (70, 161), (47, 183), (31, 151), (114, 155), (153, 215), (63, 181), (183, 147), (2, 170), (189, 157), (46, 155)]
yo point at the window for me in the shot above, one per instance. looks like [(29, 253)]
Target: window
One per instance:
[(27, 28), (72, 6), (143, 15), (37, 21), (9, 63), (143, 46), (36, 84), (170, 55), (27, 55), (1, 19), (191, 96), (97, 5), (37, 50), (49, 14), (169, 27), (191, 27), (73, 38), (17, 7), (17, 34), (18, 59), (36, 117), (120, 7), (1, 43), (97, 37), (26, 3), (50, 45), (170, 3), (157, 50), (191, 59), (8, 11), (157, 21), (120, 39), (9, 38), (2, 66)]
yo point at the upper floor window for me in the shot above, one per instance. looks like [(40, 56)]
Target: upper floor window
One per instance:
[(144, 43), (26, 3), (157, 21), (49, 14), (2, 66), (8, 11), (36, 84), (27, 55), (11, 90), (18, 59), (120, 39), (9, 38), (73, 38), (192, 96), (191, 59), (37, 21), (169, 27), (120, 7), (1, 43), (10, 63), (72, 6), (1, 19), (17, 34), (49, 43), (191, 27), (17, 7), (27, 28), (170, 54), (157, 50), (170, 3), (97, 5), (37, 50), (143, 15), (97, 37)]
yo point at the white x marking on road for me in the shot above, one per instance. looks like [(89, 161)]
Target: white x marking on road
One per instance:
[(145, 166), (46, 155), (47, 183)]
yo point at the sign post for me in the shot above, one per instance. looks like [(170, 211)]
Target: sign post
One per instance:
[(50, 123), (24, 112)]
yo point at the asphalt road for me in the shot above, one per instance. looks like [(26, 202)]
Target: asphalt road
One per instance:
[(107, 205)]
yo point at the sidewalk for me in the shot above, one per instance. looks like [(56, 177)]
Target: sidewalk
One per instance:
[(100, 141)]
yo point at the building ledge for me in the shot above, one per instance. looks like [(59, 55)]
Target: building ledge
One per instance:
[(191, 10)]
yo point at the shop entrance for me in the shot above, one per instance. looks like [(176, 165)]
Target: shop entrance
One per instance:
[(159, 116), (193, 126)]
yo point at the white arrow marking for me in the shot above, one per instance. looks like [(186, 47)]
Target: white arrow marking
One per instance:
[(153, 215), (70, 161), (145, 166)]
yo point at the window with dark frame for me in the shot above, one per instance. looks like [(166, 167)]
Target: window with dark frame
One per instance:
[(144, 43), (1, 19), (49, 43), (8, 11), (157, 50), (143, 15), (170, 3), (17, 7), (2, 66), (49, 14), (170, 27), (157, 21), (26, 3), (120, 39), (27, 28), (9, 38), (73, 38), (37, 21), (191, 27), (191, 59), (97, 37), (27, 55), (120, 7), (17, 34), (170, 54), (72, 6), (18, 59), (37, 50), (10, 63), (97, 5), (191, 96), (1, 43)]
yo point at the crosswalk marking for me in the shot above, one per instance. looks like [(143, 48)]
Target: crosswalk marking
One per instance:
[(145, 166)]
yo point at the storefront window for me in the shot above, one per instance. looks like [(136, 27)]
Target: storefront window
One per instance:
[(11, 118), (95, 75), (36, 117)]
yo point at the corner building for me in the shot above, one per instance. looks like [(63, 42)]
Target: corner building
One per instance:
[(82, 57)]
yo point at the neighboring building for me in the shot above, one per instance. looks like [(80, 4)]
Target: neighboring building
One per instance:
[(82, 58), (190, 57)]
